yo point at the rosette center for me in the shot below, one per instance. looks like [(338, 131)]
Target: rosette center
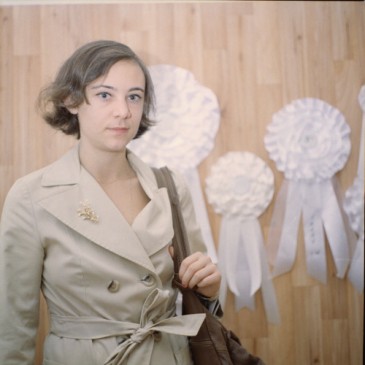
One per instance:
[(241, 185), (308, 140)]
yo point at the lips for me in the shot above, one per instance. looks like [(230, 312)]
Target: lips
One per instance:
[(118, 130)]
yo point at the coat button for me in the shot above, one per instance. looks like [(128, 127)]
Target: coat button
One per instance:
[(148, 280), (113, 286)]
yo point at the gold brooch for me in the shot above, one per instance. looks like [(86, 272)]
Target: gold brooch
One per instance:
[(86, 212)]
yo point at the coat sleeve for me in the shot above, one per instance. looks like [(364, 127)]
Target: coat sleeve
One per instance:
[(192, 226), (21, 261)]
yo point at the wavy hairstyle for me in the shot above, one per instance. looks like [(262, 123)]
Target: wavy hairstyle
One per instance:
[(85, 65)]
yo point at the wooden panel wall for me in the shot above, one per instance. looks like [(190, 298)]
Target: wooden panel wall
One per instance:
[(256, 57)]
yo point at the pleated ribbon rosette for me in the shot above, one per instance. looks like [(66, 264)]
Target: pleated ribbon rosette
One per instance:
[(187, 120), (309, 142), (354, 207), (239, 187)]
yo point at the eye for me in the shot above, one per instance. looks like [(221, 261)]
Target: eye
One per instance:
[(135, 98), (104, 95)]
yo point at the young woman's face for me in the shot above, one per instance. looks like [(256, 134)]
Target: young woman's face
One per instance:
[(111, 117)]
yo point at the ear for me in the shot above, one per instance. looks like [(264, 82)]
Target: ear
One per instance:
[(72, 110)]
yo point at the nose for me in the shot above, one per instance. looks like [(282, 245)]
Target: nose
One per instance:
[(121, 109)]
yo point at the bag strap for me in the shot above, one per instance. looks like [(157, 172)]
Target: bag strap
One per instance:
[(180, 239)]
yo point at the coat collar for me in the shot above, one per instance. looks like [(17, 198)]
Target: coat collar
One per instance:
[(67, 170), (67, 186)]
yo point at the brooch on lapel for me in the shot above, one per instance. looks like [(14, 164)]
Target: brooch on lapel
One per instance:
[(86, 212)]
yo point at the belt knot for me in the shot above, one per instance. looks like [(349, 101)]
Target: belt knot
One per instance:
[(142, 333)]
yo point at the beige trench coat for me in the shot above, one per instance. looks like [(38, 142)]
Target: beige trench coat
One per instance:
[(107, 283)]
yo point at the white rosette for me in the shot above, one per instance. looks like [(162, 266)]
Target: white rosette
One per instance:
[(354, 207), (239, 187), (188, 117), (309, 142)]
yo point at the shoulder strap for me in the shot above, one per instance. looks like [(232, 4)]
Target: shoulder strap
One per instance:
[(180, 240)]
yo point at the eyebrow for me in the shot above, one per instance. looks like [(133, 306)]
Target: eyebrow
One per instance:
[(136, 88)]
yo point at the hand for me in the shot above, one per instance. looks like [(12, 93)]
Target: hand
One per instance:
[(198, 272)]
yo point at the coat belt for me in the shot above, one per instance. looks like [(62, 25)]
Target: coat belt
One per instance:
[(155, 317)]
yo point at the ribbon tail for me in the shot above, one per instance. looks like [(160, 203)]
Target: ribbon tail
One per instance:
[(224, 238), (236, 265), (360, 163), (267, 287), (247, 267), (192, 178), (233, 264), (313, 232), (335, 228), (250, 242), (350, 233), (288, 241), (223, 292), (244, 299), (276, 223), (356, 271)]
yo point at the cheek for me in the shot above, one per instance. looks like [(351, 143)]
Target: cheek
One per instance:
[(137, 114), (138, 109), (90, 123)]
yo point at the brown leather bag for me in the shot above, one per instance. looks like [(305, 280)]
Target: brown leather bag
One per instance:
[(214, 344)]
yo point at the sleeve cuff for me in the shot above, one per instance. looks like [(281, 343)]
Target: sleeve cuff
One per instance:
[(212, 304)]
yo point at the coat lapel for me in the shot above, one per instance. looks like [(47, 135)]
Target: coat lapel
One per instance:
[(69, 189)]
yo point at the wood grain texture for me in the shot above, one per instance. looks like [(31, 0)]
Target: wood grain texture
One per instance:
[(256, 57)]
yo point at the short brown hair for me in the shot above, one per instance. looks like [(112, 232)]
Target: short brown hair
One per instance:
[(85, 65)]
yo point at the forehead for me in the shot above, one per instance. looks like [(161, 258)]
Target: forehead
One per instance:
[(123, 72)]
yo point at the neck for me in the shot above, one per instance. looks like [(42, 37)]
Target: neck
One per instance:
[(106, 167)]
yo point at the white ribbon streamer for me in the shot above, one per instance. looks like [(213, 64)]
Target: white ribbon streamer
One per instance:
[(319, 206), (290, 199), (243, 264), (240, 187), (193, 180), (354, 207), (356, 271), (309, 142), (313, 231), (335, 228)]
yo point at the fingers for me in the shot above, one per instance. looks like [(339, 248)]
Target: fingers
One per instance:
[(199, 272)]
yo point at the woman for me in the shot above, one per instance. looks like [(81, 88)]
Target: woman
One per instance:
[(93, 231)]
